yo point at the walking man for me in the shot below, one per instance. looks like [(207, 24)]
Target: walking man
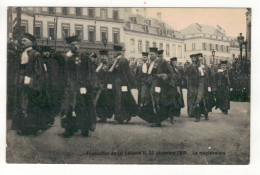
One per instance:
[(78, 105)]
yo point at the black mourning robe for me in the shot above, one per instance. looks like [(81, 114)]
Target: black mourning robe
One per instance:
[(158, 107), (79, 73), (125, 105), (29, 97), (105, 106)]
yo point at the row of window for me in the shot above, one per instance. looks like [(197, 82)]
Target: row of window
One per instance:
[(65, 31), (154, 44), (206, 46), (160, 30), (206, 36), (216, 47), (91, 12)]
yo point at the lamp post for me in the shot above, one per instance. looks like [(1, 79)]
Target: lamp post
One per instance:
[(240, 40), (213, 55)]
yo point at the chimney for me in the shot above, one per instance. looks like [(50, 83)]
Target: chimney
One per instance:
[(159, 16)]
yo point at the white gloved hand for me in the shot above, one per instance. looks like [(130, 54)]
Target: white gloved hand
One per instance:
[(209, 89), (157, 89), (27, 80), (124, 88), (109, 86), (231, 89), (73, 114), (83, 90)]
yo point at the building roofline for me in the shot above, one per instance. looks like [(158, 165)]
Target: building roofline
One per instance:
[(207, 39), (129, 30), (74, 17)]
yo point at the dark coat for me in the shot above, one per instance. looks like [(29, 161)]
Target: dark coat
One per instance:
[(52, 89), (199, 100), (29, 98), (159, 93), (179, 102), (79, 74), (105, 106), (222, 85), (125, 105)]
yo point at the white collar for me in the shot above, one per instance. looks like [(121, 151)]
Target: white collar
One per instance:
[(25, 58), (151, 67), (144, 68), (27, 49)]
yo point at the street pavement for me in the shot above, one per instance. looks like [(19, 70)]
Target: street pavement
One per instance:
[(223, 139)]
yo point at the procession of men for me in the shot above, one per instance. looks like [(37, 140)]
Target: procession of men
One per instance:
[(84, 88)]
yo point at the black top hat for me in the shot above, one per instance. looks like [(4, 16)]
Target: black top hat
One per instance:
[(153, 49), (29, 36), (160, 51), (103, 52), (145, 53), (71, 39), (118, 48), (174, 59), (45, 48)]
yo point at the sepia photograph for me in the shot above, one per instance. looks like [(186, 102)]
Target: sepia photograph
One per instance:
[(128, 85)]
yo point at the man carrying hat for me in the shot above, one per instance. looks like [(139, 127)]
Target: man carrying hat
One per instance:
[(160, 81), (125, 105), (198, 86), (178, 74), (78, 106), (222, 87), (105, 106), (29, 118)]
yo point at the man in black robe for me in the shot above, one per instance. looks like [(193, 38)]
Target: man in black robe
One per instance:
[(105, 106), (78, 105), (51, 86), (29, 118), (179, 75), (125, 104), (141, 75), (223, 86), (160, 82), (198, 87)]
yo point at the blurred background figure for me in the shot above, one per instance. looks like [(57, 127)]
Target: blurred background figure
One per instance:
[(51, 86), (178, 75), (223, 86), (133, 65)]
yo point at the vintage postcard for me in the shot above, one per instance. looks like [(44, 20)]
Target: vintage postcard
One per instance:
[(128, 85)]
